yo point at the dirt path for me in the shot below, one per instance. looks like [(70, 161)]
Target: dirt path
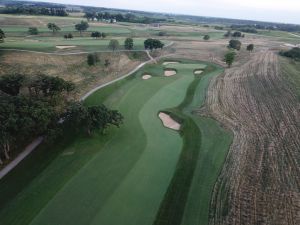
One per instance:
[(260, 180), (20, 157)]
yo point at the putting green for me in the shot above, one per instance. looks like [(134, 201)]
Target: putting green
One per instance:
[(125, 176)]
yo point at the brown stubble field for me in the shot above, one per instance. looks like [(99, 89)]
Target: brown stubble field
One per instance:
[(260, 180)]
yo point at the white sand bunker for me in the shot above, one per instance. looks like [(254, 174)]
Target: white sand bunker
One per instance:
[(197, 72), (65, 46), (167, 63), (146, 77), (67, 153), (169, 72), (168, 121)]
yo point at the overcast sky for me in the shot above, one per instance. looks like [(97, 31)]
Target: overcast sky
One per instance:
[(287, 11)]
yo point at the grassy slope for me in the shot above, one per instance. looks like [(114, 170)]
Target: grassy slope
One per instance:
[(291, 70)]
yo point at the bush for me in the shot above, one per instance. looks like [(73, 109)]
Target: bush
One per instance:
[(235, 44), (33, 31), (92, 59), (294, 53), (206, 37)]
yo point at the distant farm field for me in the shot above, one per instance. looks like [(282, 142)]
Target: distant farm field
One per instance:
[(127, 175)]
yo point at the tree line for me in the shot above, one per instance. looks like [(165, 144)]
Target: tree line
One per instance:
[(119, 17), (41, 106), (33, 10), (293, 53)]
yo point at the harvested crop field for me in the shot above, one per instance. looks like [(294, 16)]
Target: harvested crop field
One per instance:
[(260, 181)]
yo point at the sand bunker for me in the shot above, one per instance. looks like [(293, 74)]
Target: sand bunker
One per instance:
[(65, 46), (170, 73), (67, 153), (197, 72), (168, 121), (146, 77), (167, 63)]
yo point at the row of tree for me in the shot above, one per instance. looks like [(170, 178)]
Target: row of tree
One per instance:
[(128, 17), (31, 107), (31, 10)]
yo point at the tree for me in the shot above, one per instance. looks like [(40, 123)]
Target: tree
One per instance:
[(235, 44), (92, 59), (237, 34), (92, 118), (104, 35), (53, 27), (50, 86), (228, 34), (250, 47), (96, 35), (68, 36), (206, 37), (82, 26), (33, 31), (113, 44), (106, 63), (11, 84), (2, 36), (128, 44), (153, 44), (229, 58)]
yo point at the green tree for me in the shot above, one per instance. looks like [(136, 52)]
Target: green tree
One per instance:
[(96, 35), (128, 44), (206, 37), (33, 31), (11, 84), (113, 44), (250, 47), (70, 36), (106, 63), (235, 44), (92, 59), (50, 86), (82, 26), (2, 36), (104, 35), (229, 58), (153, 44), (92, 118), (53, 27)]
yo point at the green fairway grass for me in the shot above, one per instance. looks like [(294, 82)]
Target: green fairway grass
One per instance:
[(125, 176), (45, 44)]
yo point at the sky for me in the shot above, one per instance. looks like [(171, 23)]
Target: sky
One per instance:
[(285, 11)]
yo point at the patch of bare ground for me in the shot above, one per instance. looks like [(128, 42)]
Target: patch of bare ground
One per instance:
[(70, 67), (260, 180)]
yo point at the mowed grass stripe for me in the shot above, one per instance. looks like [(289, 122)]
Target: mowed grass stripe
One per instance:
[(188, 197), (215, 142), (104, 179), (137, 199)]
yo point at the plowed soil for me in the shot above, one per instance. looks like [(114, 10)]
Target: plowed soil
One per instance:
[(260, 180)]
